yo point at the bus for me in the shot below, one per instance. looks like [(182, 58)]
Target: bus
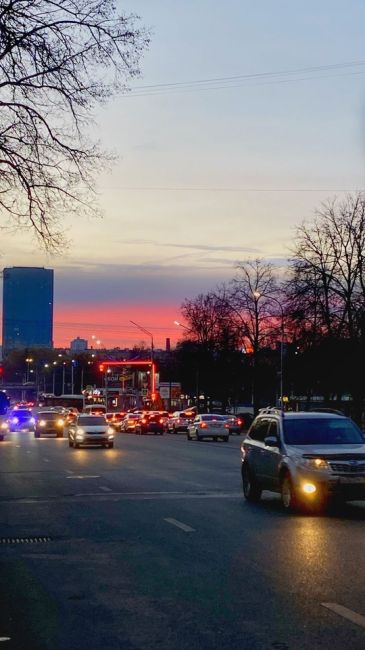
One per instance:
[(67, 401)]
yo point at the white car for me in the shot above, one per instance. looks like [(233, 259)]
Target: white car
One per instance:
[(208, 425), (90, 430)]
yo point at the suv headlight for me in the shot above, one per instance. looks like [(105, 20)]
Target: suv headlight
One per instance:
[(60, 422), (315, 463), (42, 423), (80, 432)]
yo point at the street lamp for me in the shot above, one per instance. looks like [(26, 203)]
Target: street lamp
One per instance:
[(152, 383), (28, 362), (257, 295)]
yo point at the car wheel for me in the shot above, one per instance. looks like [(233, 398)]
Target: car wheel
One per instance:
[(198, 437), (37, 435), (70, 443), (251, 489), (111, 445), (288, 495), (76, 445), (226, 438)]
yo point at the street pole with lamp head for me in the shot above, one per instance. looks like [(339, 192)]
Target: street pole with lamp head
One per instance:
[(257, 295), (152, 385)]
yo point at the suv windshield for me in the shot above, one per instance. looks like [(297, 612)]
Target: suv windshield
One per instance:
[(322, 431), (91, 421)]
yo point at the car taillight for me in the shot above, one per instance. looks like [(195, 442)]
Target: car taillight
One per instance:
[(239, 421), (161, 420), (143, 421), (226, 425), (178, 421), (203, 425)]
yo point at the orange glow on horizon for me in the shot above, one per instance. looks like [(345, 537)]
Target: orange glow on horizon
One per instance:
[(110, 324)]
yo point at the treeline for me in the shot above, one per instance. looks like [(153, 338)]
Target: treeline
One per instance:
[(313, 312)]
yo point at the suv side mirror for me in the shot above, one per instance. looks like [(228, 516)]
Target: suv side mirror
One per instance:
[(272, 441)]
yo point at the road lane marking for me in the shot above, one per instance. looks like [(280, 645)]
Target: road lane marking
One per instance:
[(82, 477), (46, 460), (4, 638), (28, 452), (69, 471), (179, 524), (346, 613), (105, 488), (18, 446), (120, 496)]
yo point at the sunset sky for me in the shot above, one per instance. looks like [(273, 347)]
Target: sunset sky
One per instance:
[(214, 172)]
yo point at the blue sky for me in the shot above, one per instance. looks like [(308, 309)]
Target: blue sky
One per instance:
[(196, 151)]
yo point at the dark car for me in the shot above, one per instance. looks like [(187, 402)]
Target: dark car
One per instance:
[(49, 422), (21, 420), (151, 423)]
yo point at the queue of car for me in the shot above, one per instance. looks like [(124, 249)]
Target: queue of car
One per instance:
[(60, 421)]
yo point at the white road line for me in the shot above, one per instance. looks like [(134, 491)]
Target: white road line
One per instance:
[(46, 460), (18, 446), (28, 452), (179, 524), (68, 471), (346, 613), (82, 477), (105, 488), (4, 638)]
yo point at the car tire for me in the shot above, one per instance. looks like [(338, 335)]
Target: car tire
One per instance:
[(198, 437), (37, 435), (70, 443), (110, 445), (289, 498), (76, 445), (251, 488), (225, 439)]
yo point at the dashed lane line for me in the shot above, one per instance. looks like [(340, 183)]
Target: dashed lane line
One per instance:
[(105, 488), (81, 477), (179, 524), (350, 615), (46, 460)]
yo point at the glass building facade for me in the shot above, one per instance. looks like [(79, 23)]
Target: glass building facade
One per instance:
[(27, 308)]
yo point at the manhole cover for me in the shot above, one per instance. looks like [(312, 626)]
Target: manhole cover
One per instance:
[(25, 540)]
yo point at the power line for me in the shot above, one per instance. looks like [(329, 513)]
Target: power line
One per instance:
[(161, 188), (264, 78)]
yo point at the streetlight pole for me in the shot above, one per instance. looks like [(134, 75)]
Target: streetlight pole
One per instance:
[(152, 384), (257, 295)]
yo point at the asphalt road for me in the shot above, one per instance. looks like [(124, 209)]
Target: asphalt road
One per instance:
[(151, 545)]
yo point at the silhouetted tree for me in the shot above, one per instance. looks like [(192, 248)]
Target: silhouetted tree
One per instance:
[(58, 60)]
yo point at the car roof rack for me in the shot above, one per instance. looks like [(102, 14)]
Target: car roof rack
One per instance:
[(271, 409)]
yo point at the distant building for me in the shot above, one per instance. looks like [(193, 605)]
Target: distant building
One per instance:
[(78, 345), (27, 308)]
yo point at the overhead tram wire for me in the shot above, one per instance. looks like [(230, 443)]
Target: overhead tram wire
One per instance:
[(263, 78)]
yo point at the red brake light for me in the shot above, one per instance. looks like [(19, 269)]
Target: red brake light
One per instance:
[(161, 420), (143, 420), (226, 425), (239, 421), (203, 425)]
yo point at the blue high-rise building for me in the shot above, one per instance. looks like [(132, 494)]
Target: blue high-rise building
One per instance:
[(27, 308)]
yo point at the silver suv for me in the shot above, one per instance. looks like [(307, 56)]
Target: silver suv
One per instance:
[(307, 457)]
